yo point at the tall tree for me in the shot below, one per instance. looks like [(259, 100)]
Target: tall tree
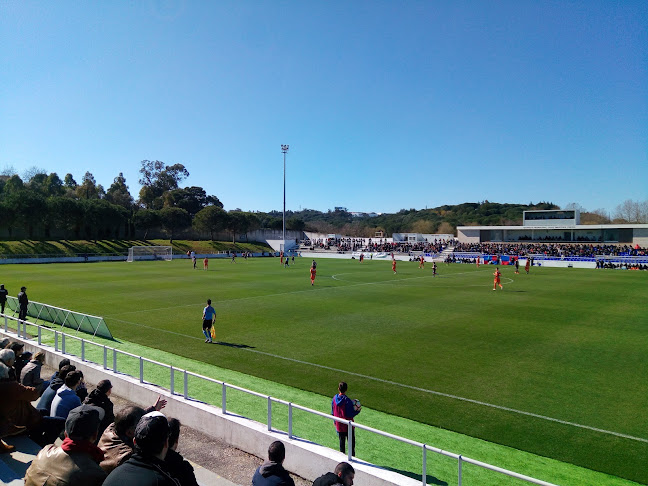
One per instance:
[(174, 220), (118, 192), (147, 219), (89, 188), (157, 179), (66, 214), (211, 220)]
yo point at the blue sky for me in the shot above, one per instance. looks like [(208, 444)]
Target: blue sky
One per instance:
[(385, 105)]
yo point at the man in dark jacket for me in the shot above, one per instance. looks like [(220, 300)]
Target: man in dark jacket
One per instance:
[(45, 402), (146, 466), (272, 472), (100, 397), (176, 465), (23, 302), (344, 474), (3, 298)]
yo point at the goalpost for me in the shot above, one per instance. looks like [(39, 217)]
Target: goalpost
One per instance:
[(149, 253)]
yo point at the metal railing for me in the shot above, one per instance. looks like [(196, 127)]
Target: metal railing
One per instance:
[(61, 344)]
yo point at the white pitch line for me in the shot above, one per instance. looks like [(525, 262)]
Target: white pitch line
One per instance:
[(424, 390)]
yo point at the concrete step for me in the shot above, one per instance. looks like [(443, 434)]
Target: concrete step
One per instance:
[(14, 465)]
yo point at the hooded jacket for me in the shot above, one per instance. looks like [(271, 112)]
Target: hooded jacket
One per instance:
[(45, 401), (271, 473), (342, 406), (329, 479)]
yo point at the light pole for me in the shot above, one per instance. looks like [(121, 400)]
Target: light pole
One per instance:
[(284, 149)]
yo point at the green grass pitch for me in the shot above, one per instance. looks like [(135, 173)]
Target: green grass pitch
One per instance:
[(555, 364)]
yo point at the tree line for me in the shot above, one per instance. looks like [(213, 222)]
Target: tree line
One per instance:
[(44, 205)]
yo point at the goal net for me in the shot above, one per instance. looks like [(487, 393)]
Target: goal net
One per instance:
[(149, 253)]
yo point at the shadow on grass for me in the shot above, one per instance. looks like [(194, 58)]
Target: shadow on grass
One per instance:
[(429, 478), (233, 345)]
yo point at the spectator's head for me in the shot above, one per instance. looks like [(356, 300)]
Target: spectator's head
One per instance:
[(342, 387), (345, 472), (82, 423), (152, 435), (7, 356), (105, 387), (73, 379), (126, 420), (62, 363), (277, 452), (4, 342), (16, 347), (63, 372), (39, 356), (174, 433)]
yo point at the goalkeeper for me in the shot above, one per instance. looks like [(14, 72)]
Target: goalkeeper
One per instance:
[(209, 316)]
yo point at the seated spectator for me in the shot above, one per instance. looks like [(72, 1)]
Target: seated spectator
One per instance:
[(146, 466), (343, 474), (17, 411), (30, 374), (66, 398), (7, 427), (45, 402), (21, 358), (177, 467), (272, 472), (117, 439), (100, 397), (76, 461), (62, 363)]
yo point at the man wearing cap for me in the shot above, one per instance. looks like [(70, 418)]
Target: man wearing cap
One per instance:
[(146, 466), (23, 302), (3, 298), (76, 461)]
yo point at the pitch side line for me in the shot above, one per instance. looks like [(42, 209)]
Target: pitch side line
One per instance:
[(402, 385)]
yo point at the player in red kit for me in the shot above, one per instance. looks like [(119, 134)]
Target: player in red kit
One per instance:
[(422, 262), (313, 272), (394, 265), (496, 281)]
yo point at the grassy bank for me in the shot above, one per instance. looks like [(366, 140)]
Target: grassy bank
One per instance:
[(109, 247)]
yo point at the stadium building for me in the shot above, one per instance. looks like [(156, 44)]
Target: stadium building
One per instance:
[(561, 226)]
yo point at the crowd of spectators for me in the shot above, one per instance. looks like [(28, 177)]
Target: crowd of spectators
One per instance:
[(99, 447), (376, 245), (551, 249)]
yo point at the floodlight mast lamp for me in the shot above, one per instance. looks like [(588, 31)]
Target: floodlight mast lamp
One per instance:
[(284, 149)]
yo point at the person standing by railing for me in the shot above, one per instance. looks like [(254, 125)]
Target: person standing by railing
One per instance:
[(3, 298), (342, 406), (23, 302)]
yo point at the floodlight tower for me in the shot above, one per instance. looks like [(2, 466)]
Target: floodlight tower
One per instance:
[(284, 149)]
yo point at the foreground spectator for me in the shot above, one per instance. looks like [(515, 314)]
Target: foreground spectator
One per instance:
[(342, 406), (76, 462), (66, 398), (343, 474), (178, 468), (31, 373), (272, 472), (117, 439), (146, 466), (45, 402), (100, 397)]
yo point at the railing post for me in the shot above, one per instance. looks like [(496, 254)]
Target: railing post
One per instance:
[(114, 360), (39, 335), (172, 380), (224, 399), (350, 437), (55, 340), (141, 360), (424, 482), (186, 385), (459, 471), (290, 410), (6, 323), (269, 413), (63, 342), (105, 357), (83, 350)]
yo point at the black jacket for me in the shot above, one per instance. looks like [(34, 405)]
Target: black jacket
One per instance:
[(180, 469), (329, 479), (140, 471), (271, 474), (101, 400)]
